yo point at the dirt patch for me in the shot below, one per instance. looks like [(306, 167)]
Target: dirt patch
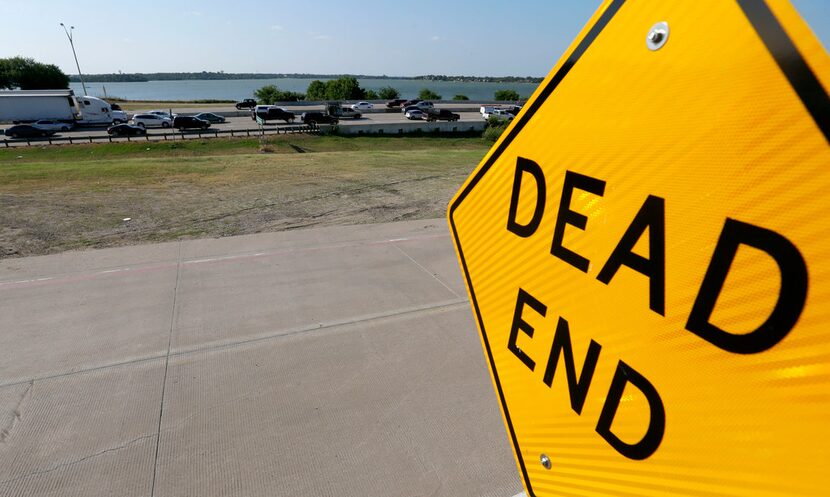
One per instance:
[(136, 200)]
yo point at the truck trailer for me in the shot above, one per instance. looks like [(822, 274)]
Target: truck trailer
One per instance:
[(55, 105)]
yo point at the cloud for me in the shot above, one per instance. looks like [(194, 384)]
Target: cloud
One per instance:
[(435, 38), (275, 27), (194, 13)]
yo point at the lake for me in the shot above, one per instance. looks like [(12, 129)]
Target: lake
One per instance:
[(237, 89)]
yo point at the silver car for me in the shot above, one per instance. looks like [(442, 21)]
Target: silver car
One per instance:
[(151, 121), (52, 125)]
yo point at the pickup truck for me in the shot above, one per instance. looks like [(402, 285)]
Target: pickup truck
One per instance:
[(441, 115), (318, 118), (272, 113), (248, 103), (500, 114)]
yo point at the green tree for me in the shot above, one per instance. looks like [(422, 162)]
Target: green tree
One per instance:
[(344, 88), (270, 94), (27, 74), (507, 95), (389, 93), (371, 95), (427, 94), (316, 90), (461, 97)]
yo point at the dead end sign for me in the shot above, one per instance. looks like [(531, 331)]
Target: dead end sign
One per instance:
[(647, 254)]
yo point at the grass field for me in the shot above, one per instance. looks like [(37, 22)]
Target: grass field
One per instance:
[(59, 198)]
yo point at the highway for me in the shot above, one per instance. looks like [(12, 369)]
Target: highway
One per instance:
[(242, 121)]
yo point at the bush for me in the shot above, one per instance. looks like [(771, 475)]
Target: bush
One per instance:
[(270, 94), (389, 93), (461, 97), (507, 95), (371, 95), (492, 133), (427, 94)]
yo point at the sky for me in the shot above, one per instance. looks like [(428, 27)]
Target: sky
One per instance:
[(373, 37)]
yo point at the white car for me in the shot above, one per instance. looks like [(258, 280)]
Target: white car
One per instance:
[(151, 121), (414, 114), (500, 114), (161, 113), (52, 125), (362, 106)]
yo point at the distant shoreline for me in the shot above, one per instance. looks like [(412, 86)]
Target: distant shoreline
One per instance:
[(184, 76)]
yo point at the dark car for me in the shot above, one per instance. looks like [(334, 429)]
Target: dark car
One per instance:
[(27, 131), (514, 109), (395, 103), (189, 122), (318, 118), (407, 103), (441, 115), (248, 103), (126, 130), (272, 113), (210, 117), (115, 107)]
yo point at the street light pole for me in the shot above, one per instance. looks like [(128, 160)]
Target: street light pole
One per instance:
[(72, 44)]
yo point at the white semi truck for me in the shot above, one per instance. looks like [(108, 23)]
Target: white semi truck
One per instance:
[(56, 105)]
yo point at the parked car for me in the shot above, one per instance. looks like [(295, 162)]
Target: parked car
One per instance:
[(151, 121), (423, 105), (273, 113), (362, 106), (248, 103), (318, 118), (415, 113), (210, 117), (349, 112), (27, 131), (52, 125), (395, 103), (189, 122), (441, 115), (126, 130)]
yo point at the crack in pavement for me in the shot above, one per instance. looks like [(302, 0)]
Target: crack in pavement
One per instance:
[(16, 415), (77, 461)]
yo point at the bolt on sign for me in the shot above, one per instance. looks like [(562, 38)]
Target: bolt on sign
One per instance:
[(647, 254)]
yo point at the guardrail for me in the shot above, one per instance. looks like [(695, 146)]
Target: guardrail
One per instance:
[(183, 135)]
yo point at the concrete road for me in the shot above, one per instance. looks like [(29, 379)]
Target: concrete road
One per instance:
[(338, 361)]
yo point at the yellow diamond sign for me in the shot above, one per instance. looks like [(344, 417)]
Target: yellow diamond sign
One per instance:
[(647, 253)]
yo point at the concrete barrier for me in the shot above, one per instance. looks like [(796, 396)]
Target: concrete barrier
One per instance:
[(409, 128)]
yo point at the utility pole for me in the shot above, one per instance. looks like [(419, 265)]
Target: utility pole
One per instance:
[(72, 44)]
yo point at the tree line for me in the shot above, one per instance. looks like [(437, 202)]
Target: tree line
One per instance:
[(348, 88), (222, 75)]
